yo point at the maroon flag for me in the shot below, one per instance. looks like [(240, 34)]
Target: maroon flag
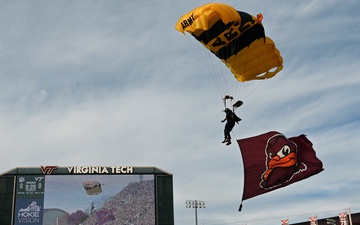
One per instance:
[(272, 161)]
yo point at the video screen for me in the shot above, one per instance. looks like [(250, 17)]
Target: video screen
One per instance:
[(85, 199)]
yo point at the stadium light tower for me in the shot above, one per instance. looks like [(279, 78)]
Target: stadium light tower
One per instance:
[(195, 204)]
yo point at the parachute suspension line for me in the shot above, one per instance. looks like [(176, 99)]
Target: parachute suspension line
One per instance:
[(219, 78), (214, 66), (224, 80), (236, 86), (208, 62), (222, 76), (217, 73), (253, 89), (244, 89)]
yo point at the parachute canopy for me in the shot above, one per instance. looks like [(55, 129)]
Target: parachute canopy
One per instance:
[(235, 37), (92, 187)]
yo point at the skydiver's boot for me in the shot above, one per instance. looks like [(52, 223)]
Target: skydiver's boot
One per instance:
[(229, 142), (225, 140)]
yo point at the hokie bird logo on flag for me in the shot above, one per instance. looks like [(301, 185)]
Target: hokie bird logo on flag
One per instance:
[(272, 161)]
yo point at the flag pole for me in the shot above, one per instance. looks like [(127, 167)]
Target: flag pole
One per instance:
[(350, 220)]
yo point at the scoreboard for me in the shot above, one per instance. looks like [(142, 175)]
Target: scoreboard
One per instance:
[(86, 195)]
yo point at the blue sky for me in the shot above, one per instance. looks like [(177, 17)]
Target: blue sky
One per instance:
[(104, 83)]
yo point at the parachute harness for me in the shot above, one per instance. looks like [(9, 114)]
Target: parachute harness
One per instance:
[(226, 98), (234, 105)]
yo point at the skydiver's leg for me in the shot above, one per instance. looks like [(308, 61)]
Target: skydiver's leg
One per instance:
[(228, 142), (225, 136), (228, 129)]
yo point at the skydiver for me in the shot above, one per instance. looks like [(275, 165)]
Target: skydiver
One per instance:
[(231, 119), (92, 207)]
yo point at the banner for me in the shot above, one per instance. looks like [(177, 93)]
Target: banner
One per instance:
[(29, 200), (285, 222), (313, 220), (272, 161), (343, 219)]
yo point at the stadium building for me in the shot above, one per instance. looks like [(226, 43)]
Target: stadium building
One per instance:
[(51, 195)]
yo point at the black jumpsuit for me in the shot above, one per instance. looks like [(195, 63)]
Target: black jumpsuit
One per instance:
[(230, 123)]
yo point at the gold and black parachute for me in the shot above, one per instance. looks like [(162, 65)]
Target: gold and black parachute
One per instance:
[(235, 37)]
